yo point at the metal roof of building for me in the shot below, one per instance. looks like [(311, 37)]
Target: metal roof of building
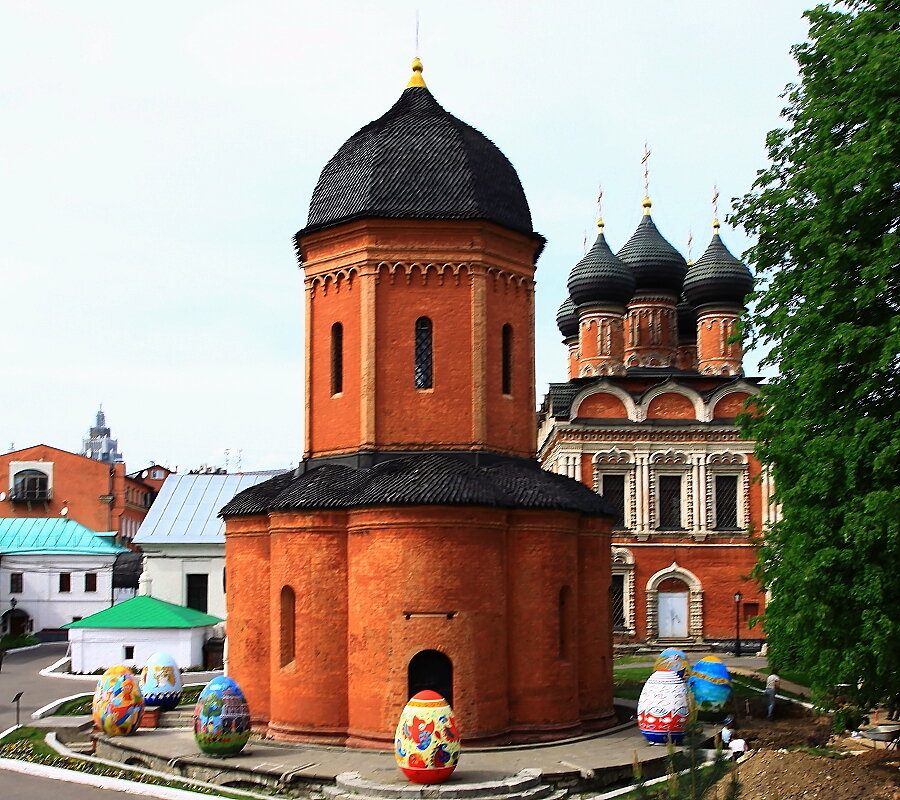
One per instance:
[(186, 510), (54, 535), (146, 612)]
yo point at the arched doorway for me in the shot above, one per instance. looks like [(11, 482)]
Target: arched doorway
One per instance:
[(430, 669), (672, 599), (15, 622)]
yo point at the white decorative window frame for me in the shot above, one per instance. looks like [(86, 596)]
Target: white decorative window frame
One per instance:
[(675, 463), (15, 467), (618, 462), (728, 463), (623, 564)]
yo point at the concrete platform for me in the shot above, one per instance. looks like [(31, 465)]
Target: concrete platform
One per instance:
[(589, 763)]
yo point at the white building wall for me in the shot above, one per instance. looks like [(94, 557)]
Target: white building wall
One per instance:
[(40, 597), (99, 648), (166, 568)]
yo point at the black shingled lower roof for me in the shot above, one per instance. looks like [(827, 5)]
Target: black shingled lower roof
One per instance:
[(419, 479)]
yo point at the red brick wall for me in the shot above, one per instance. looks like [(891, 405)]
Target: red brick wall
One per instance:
[(369, 599)]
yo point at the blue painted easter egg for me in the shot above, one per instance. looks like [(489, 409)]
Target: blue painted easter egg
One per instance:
[(221, 718), (710, 683), (673, 659), (161, 681)]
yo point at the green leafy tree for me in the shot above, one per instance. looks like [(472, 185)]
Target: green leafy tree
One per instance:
[(826, 216)]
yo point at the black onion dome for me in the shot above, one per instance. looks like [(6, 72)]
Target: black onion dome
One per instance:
[(687, 319), (717, 277), (418, 161), (657, 266), (600, 277), (567, 318), (411, 480)]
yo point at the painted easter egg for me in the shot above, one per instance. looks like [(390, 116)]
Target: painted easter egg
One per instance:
[(710, 683), (161, 681), (663, 708), (221, 718), (426, 744), (673, 659), (118, 705)]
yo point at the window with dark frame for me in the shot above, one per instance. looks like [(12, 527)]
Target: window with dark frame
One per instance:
[(612, 487), (65, 581), (506, 359), (617, 602), (129, 652), (90, 581), (670, 502), (424, 367), (726, 502), (337, 358), (197, 594), (31, 484), (15, 582)]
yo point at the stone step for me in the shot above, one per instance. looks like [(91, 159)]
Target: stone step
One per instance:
[(525, 785)]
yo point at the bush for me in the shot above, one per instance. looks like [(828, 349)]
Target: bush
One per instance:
[(847, 718), (13, 641)]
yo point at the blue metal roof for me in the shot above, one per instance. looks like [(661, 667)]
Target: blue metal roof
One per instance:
[(54, 535), (186, 510)]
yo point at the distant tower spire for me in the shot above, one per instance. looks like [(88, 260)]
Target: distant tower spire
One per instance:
[(99, 444)]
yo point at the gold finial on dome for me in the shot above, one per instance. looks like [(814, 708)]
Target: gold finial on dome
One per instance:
[(416, 79), (715, 205), (646, 157), (600, 209), (646, 204), (600, 225)]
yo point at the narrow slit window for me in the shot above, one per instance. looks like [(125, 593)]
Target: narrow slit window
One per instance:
[(424, 368), (612, 487), (506, 359), (337, 358), (288, 622)]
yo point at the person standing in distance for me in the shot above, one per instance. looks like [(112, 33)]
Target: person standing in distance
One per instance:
[(772, 684)]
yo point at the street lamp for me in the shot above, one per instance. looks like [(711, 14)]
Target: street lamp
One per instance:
[(737, 624)]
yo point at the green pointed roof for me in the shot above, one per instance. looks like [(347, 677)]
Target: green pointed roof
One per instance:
[(146, 612)]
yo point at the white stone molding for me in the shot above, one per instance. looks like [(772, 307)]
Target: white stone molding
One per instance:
[(727, 462), (623, 564), (604, 388), (701, 411), (695, 601)]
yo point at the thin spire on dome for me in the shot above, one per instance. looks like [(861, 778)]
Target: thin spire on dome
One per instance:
[(715, 205), (416, 79), (646, 202), (690, 249), (600, 225)]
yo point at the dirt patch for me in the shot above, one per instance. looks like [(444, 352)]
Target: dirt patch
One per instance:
[(773, 772)]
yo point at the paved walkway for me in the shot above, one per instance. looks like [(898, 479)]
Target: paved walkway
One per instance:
[(569, 761)]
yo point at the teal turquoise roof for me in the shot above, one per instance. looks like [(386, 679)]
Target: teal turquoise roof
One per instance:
[(54, 535), (146, 612)]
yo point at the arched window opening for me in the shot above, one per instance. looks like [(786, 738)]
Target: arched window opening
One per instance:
[(506, 359), (424, 370), (31, 484), (337, 358), (288, 615), (566, 626), (430, 669)]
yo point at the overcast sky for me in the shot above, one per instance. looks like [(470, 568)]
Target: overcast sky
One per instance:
[(156, 159)]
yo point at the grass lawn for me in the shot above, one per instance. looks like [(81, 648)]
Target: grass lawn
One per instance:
[(82, 704)]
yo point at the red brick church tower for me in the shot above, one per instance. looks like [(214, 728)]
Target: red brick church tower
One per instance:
[(418, 545), (647, 419)]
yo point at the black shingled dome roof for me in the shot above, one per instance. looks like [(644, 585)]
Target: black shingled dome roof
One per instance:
[(717, 277), (418, 161), (657, 266), (426, 479), (567, 318), (600, 277)]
